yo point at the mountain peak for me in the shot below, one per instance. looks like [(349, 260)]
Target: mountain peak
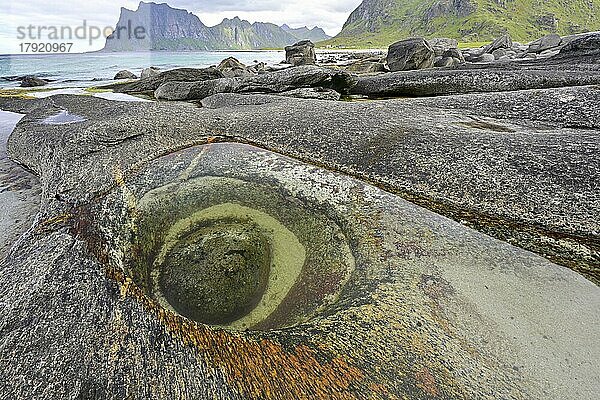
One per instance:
[(175, 29), (315, 34)]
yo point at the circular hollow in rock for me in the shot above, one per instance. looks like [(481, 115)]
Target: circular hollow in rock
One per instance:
[(237, 254), (227, 265)]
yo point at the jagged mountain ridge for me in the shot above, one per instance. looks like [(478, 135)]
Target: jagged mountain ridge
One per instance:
[(381, 22), (315, 34), (172, 29)]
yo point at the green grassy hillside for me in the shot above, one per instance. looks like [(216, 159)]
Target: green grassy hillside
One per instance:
[(377, 23)]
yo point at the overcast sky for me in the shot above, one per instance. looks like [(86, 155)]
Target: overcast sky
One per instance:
[(328, 14)]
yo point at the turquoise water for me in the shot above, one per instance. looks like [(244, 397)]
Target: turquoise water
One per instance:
[(86, 69)]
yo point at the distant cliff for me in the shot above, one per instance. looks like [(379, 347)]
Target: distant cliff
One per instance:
[(377, 23), (160, 27)]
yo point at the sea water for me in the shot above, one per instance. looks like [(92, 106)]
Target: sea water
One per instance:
[(88, 69)]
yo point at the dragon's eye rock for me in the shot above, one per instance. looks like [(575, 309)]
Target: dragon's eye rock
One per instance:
[(236, 253)]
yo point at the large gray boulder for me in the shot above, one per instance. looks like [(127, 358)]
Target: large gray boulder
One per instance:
[(231, 67), (301, 53), (544, 43), (585, 47), (445, 82), (503, 42), (408, 54), (150, 84), (271, 82), (440, 45)]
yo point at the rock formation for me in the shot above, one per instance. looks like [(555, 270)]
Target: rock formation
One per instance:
[(32, 81), (152, 83), (149, 72), (381, 299), (272, 82), (125, 75), (301, 53), (408, 54)]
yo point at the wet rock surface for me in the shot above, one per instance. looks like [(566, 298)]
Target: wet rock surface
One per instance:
[(217, 272), (19, 191)]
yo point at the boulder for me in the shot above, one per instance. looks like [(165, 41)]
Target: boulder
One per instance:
[(545, 43), (459, 81), (485, 58), (454, 53), (583, 47), (149, 72), (272, 82), (409, 54), (258, 67), (503, 42), (230, 63), (124, 74), (440, 45), (471, 55), (152, 83), (499, 53), (569, 38), (367, 66), (232, 68), (445, 62), (301, 53), (33, 81)]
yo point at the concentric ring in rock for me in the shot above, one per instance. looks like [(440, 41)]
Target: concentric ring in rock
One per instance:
[(241, 253), (242, 263)]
